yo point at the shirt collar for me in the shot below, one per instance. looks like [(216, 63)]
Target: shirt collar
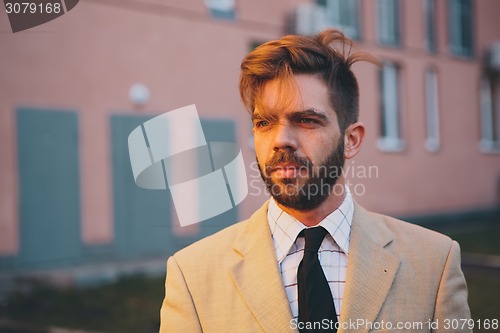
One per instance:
[(285, 228)]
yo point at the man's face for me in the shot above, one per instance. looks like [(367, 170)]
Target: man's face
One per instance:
[(298, 143)]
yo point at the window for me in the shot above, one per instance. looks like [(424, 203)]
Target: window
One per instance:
[(343, 14), (222, 9), (388, 22), (390, 139), (432, 110), (460, 21), (430, 24), (490, 113)]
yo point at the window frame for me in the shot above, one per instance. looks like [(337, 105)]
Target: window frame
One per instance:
[(332, 12), (222, 9), (389, 35), (490, 113), (433, 140), (391, 138), (456, 37), (430, 25)]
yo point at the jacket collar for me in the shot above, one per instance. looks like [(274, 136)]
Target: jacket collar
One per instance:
[(370, 272)]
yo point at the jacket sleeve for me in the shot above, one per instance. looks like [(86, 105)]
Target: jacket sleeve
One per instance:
[(451, 302), (178, 313)]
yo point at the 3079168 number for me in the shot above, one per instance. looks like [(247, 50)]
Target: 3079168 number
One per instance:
[(460, 324), (32, 8)]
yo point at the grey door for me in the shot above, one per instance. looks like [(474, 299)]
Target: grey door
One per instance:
[(143, 218), (49, 188)]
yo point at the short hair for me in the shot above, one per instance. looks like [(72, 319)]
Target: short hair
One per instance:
[(327, 54)]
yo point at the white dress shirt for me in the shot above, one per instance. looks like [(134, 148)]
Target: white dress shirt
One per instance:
[(333, 252)]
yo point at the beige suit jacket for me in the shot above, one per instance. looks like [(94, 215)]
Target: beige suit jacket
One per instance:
[(398, 274)]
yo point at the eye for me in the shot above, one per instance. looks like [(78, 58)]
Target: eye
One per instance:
[(261, 123), (309, 122)]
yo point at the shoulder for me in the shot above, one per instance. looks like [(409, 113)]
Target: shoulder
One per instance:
[(422, 253), (415, 232), (407, 237)]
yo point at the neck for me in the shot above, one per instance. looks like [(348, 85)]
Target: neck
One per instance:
[(313, 217)]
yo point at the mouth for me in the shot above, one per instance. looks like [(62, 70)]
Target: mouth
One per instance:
[(285, 170)]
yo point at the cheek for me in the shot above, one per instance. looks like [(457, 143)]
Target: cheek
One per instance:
[(321, 148), (261, 139), (260, 150)]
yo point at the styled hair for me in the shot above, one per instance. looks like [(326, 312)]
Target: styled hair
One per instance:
[(328, 55)]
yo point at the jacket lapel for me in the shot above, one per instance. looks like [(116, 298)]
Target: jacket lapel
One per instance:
[(371, 269), (256, 275)]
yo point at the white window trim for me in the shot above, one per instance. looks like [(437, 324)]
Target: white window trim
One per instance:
[(432, 142), (391, 111), (391, 145), (488, 144), (489, 147)]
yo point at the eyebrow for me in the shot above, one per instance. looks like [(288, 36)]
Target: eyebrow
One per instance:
[(296, 115), (256, 116), (309, 113)]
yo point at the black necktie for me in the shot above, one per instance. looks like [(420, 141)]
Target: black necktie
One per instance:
[(316, 305)]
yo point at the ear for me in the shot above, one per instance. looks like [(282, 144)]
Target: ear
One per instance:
[(353, 138)]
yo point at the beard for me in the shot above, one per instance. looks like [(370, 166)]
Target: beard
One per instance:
[(319, 181)]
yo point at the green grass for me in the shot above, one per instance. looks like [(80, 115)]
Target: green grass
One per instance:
[(484, 297), (130, 305), (484, 287)]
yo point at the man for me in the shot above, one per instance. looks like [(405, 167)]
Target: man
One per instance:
[(312, 259)]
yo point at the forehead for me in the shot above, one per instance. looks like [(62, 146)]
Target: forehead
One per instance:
[(298, 92)]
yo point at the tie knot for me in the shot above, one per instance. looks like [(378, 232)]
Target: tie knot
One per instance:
[(314, 237)]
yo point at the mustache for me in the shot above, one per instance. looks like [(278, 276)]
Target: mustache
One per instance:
[(281, 157)]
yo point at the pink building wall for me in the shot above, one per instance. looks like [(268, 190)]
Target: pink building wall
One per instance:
[(88, 59)]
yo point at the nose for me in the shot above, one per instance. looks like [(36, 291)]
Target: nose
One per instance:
[(284, 138)]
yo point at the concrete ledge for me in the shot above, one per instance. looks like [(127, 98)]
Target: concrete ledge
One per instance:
[(81, 276), (481, 260)]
